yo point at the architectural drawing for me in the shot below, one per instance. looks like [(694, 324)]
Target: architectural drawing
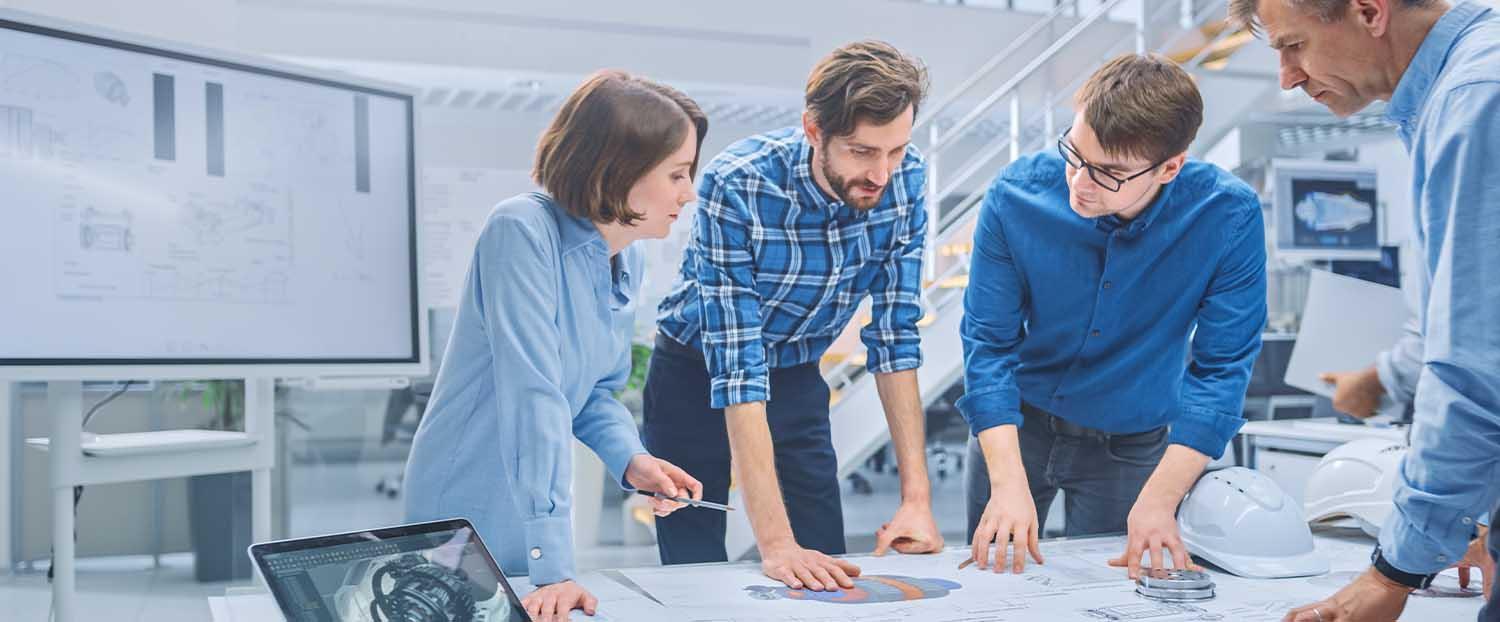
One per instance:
[(110, 87), (1146, 610), (867, 589), (105, 231), (38, 79)]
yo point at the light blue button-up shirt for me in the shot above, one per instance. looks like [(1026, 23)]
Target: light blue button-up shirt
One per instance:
[(1447, 107), (538, 350)]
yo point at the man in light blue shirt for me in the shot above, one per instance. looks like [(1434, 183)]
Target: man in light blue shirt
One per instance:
[(1438, 66)]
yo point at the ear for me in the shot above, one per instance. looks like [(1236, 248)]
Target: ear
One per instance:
[(1171, 168), (810, 127), (1373, 16)]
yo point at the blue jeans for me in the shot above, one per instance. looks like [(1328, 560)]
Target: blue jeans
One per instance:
[(1102, 473), (681, 428)]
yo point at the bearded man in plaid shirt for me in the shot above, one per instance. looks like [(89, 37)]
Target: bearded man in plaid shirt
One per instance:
[(794, 228)]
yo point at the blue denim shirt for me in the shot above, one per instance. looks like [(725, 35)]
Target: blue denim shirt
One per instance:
[(1090, 319), (535, 357), (776, 269), (1447, 110)]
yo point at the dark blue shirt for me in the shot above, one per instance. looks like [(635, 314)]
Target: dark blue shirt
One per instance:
[(1119, 326)]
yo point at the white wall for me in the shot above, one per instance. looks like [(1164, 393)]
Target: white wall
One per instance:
[(769, 43)]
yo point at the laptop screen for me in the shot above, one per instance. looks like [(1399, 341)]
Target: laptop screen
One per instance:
[(438, 572)]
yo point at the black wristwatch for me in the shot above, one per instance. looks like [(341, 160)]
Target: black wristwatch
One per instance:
[(1413, 581)]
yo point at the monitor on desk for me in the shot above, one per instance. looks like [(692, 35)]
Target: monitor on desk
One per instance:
[(1325, 210), (170, 208)]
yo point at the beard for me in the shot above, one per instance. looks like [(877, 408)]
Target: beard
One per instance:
[(843, 188)]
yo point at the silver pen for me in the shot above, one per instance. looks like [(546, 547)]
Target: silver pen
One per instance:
[(693, 502)]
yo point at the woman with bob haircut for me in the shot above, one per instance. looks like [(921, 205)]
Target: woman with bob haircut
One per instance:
[(536, 354)]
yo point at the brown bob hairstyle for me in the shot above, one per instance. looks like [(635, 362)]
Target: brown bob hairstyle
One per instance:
[(609, 133)]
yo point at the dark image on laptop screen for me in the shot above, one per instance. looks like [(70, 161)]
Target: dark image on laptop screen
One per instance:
[(441, 575)]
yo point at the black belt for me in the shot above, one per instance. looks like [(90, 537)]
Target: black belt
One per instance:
[(1061, 426)]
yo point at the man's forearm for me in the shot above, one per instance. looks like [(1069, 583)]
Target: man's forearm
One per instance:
[(903, 414), (1174, 476), (1002, 453), (754, 460)]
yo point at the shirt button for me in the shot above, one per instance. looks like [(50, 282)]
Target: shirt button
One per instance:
[(1095, 333), (1108, 284), (536, 553), (1443, 558), (1468, 521)]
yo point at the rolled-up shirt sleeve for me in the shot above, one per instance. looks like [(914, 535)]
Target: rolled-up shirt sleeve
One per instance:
[(1225, 343), (1448, 480), (892, 339), (994, 323), (732, 346)]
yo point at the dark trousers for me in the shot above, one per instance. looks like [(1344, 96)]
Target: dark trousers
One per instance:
[(1102, 473), (682, 429), (1491, 610)]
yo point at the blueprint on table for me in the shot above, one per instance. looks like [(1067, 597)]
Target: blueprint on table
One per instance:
[(1075, 584)]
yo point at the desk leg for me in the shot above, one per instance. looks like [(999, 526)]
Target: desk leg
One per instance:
[(8, 414), (63, 588), (1250, 451), (260, 424), (65, 406)]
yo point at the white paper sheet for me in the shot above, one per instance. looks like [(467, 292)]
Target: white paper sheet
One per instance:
[(1345, 325)]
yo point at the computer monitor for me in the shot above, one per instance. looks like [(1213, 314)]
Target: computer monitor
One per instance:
[(1385, 271), (1325, 210), (177, 212)]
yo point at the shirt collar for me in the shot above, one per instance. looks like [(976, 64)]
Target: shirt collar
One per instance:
[(573, 232), (1147, 216), (1416, 82)]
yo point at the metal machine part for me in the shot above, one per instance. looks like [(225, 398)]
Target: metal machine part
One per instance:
[(1175, 596), (412, 589), (1174, 579)]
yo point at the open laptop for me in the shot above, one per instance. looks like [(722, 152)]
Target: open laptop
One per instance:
[(427, 572)]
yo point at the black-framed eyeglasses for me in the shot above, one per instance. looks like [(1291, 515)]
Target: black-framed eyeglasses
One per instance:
[(1105, 179)]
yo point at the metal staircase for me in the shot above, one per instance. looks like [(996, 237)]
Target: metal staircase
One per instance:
[(1016, 112)]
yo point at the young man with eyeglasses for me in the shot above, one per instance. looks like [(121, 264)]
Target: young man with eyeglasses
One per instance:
[(1116, 297)]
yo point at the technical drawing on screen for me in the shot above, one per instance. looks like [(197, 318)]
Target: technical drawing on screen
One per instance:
[(174, 207)]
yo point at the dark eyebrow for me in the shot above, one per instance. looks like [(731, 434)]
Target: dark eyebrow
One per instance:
[(1108, 166)]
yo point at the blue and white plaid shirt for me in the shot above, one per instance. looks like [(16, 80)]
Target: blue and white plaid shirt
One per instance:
[(776, 269)]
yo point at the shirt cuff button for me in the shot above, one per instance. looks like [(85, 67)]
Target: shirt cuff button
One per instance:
[(1468, 521), (536, 553)]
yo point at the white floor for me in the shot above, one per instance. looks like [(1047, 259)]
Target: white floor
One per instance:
[(342, 497)]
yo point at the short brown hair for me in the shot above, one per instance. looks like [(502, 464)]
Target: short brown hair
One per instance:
[(1245, 13), (865, 80), (608, 134), (1142, 106)]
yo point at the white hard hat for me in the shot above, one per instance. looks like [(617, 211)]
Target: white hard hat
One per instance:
[(1242, 522), (1356, 480)]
